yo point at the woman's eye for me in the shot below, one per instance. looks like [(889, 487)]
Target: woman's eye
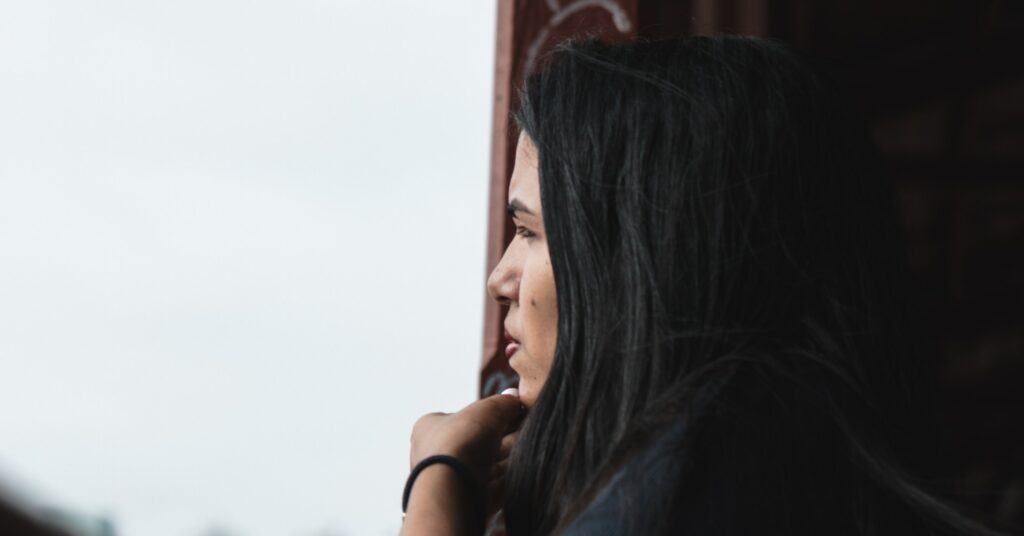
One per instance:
[(524, 232)]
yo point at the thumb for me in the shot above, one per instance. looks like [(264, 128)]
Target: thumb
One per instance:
[(506, 409)]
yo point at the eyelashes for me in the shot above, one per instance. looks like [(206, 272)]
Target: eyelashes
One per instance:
[(524, 232)]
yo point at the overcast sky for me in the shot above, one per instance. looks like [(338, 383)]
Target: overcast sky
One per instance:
[(241, 250)]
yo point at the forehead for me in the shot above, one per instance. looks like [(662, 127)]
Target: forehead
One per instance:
[(525, 182)]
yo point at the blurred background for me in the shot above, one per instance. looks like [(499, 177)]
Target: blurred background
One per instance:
[(243, 245), (241, 251)]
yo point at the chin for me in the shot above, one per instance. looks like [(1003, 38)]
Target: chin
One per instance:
[(528, 390), (527, 394)]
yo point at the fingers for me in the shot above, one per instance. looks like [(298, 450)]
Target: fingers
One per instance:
[(496, 485), (426, 420), (475, 435), (495, 495), (507, 443), (498, 470), (507, 410), (500, 466)]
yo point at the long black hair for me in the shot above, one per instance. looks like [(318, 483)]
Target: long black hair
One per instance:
[(717, 217)]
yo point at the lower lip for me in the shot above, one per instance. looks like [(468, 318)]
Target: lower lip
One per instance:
[(511, 349)]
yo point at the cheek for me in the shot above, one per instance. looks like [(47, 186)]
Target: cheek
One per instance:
[(540, 317)]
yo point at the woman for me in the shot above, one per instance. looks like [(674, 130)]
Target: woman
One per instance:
[(705, 312)]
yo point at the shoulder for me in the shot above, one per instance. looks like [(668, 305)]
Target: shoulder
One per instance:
[(638, 491), (726, 467)]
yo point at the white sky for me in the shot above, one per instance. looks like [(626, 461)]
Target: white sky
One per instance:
[(241, 250)]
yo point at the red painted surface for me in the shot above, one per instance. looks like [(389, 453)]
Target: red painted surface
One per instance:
[(526, 30)]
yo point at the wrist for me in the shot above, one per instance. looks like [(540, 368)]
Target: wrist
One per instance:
[(446, 484), (463, 457)]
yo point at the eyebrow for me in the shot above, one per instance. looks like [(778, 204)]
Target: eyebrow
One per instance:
[(515, 207)]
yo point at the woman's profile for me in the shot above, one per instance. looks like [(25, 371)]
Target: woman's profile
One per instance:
[(706, 313)]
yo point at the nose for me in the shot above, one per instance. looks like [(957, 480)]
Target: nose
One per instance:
[(503, 283)]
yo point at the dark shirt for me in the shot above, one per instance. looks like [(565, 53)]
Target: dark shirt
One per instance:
[(638, 490), (762, 459)]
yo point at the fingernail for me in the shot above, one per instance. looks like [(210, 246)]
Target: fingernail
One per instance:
[(512, 391)]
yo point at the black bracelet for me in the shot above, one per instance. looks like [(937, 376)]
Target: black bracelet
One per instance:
[(464, 472)]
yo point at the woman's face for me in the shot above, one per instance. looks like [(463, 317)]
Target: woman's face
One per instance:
[(523, 280)]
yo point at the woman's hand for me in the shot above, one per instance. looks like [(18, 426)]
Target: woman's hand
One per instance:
[(476, 435), (481, 435), (496, 476)]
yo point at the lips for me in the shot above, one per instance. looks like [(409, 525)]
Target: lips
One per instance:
[(512, 347)]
